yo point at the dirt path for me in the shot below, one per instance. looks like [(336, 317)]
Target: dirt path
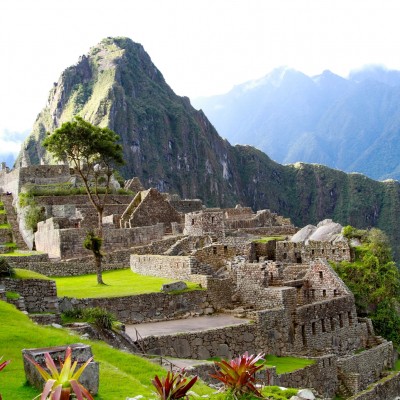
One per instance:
[(183, 325)]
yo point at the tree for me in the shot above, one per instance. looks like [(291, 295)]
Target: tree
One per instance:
[(374, 279), (93, 152)]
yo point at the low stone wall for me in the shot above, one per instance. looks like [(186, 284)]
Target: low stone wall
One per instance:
[(67, 243), (321, 376), (220, 342), (39, 295), (5, 236), (385, 389), (68, 268), (146, 307), (174, 267), (368, 365)]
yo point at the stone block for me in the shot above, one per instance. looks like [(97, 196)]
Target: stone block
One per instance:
[(169, 287)]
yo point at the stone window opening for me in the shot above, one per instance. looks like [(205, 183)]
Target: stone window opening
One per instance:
[(212, 220), (312, 251), (350, 317), (313, 328), (214, 250), (192, 221), (284, 256), (271, 275), (225, 249), (344, 251), (321, 275), (303, 334), (298, 259), (323, 325), (332, 324), (323, 292), (333, 251), (341, 320), (335, 292)]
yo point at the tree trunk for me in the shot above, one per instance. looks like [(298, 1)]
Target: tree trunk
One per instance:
[(97, 259), (98, 255)]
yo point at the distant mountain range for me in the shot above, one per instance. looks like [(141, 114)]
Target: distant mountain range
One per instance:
[(171, 146), (349, 124)]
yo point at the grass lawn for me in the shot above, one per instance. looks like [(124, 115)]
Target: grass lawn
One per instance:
[(121, 374), (287, 364), (118, 283), (267, 239), (282, 364), (27, 274), (24, 253)]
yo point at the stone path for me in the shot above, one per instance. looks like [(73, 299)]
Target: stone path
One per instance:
[(194, 324)]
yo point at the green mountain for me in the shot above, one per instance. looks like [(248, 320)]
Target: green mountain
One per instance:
[(351, 124), (173, 147)]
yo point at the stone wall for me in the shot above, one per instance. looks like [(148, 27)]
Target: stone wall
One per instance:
[(322, 376), (244, 220), (207, 222), (67, 243), (386, 388), (215, 255), (174, 267), (39, 295), (146, 307), (330, 324), (9, 181), (186, 206), (367, 365), (220, 342), (82, 200), (148, 208), (74, 267), (293, 252)]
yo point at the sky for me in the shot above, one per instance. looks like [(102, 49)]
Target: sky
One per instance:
[(202, 47)]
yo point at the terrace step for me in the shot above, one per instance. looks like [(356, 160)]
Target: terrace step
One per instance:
[(13, 221)]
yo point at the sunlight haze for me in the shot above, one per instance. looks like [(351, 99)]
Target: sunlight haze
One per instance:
[(201, 47)]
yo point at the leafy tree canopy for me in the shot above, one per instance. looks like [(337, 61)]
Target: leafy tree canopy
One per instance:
[(374, 279), (93, 152)]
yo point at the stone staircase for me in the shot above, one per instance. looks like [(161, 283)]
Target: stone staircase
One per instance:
[(374, 341), (343, 390), (13, 221)]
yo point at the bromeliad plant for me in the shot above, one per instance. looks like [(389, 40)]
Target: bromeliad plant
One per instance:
[(60, 385), (238, 375), (2, 366), (173, 386)]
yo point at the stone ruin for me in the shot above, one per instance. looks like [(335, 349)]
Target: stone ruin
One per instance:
[(298, 304)]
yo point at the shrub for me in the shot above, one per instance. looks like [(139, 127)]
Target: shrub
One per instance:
[(238, 375), (174, 386), (6, 270), (99, 317)]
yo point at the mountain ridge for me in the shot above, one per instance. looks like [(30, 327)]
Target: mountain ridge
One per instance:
[(347, 120), (171, 146)]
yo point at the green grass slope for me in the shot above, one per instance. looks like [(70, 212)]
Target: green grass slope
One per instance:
[(121, 374)]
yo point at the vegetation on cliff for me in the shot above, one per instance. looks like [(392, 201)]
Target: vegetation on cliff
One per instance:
[(374, 279)]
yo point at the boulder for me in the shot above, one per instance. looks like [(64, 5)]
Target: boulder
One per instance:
[(169, 287)]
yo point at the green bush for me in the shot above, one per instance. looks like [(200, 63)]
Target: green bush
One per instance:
[(99, 317), (5, 269), (12, 295)]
